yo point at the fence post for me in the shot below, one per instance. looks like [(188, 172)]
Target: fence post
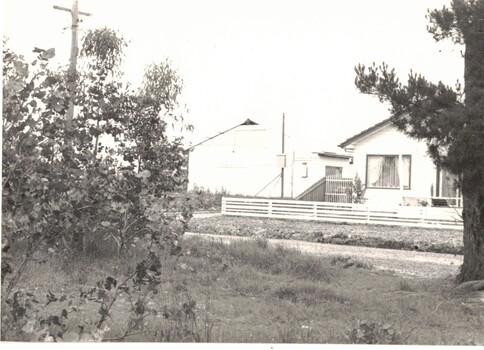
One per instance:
[(422, 215), (223, 206), (269, 209), (367, 213), (315, 209)]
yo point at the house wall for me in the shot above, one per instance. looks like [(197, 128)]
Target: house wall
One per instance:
[(316, 170), (244, 162), (240, 162), (390, 141)]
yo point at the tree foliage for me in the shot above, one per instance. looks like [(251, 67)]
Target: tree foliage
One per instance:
[(114, 175), (459, 23), (424, 110), (105, 47)]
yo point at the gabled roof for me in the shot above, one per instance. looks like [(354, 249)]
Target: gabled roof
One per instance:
[(365, 133)]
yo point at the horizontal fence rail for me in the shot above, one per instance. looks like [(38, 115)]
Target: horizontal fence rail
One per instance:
[(445, 218)]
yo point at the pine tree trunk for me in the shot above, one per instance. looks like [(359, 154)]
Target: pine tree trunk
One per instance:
[(473, 174), (473, 215)]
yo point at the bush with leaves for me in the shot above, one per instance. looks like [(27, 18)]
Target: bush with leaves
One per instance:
[(28, 318), (357, 191), (110, 173), (206, 199)]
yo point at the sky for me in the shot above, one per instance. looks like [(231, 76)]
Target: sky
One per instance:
[(257, 59)]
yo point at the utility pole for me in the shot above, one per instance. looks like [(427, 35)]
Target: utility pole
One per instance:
[(283, 157), (73, 59)]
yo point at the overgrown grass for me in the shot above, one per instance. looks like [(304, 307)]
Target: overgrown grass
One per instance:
[(257, 255), (250, 292)]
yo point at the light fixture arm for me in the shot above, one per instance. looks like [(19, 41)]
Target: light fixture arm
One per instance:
[(247, 122)]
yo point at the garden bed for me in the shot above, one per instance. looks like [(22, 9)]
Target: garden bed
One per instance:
[(377, 236)]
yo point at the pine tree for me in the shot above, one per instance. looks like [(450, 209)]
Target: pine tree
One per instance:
[(450, 120)]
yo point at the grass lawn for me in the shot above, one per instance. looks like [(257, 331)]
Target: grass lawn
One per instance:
[(249, 292)]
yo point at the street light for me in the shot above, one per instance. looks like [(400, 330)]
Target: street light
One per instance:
[(247, 122), (188, 150)]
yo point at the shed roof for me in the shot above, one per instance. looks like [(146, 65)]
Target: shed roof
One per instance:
[(333, 155)]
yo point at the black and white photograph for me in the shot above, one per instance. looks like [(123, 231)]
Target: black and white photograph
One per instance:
[(228, 172)]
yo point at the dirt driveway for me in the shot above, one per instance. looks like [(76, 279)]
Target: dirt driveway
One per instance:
[(404, 263)]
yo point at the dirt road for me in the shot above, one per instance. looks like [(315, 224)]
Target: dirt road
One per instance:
[(404, 263)]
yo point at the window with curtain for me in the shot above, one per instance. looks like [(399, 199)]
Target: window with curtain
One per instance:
[(382, 171)]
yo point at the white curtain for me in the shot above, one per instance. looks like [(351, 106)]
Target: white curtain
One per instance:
[(390, 177), (375, 167), (383, 171), (406, 172)]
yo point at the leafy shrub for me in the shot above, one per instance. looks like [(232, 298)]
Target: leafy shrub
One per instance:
[(357, 191), (27, 317), (65, 188), (204, 199)]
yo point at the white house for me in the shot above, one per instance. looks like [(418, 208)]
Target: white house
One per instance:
[(397, 170)]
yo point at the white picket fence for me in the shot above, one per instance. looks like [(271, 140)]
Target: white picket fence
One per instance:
[(432, 217)]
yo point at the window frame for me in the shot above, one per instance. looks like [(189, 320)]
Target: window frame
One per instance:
[(340, 168), (397, 156), (305, 170)]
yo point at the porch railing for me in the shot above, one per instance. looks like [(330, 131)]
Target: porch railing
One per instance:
[(328, 189)]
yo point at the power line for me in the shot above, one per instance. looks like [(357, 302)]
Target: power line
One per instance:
[(276, 178)]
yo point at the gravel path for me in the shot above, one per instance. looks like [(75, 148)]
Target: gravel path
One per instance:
[(404, 263)]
